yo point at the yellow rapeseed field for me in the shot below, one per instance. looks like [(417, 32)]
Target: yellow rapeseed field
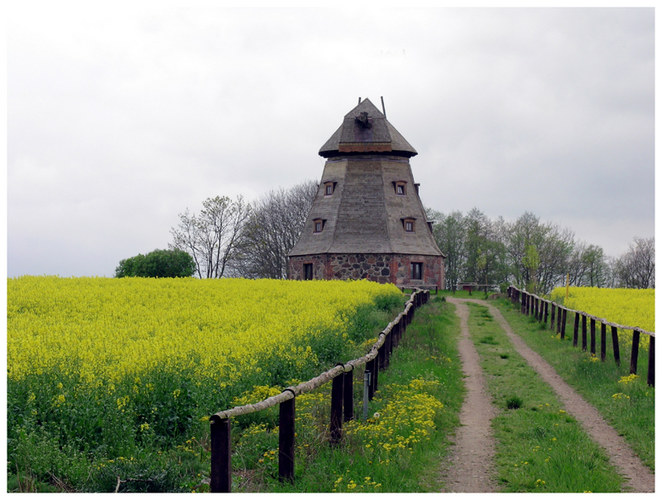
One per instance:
[(105, 372), (104, 330), (623, 306)]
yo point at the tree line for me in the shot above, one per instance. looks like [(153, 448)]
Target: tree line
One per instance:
[(235, 238), (533, 254)]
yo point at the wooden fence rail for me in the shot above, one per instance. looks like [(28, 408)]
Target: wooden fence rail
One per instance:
[(342, 401), (532, 304)]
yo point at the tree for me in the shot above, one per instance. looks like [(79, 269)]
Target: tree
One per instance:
[(552, 244), (449, 232), (272, 230), (484, 250), (588, 266), (477, 227), (636, 268), (531, 263), (212, 236), (157, 264)]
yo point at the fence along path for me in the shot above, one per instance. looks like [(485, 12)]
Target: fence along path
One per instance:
[(342, 401), (638, 477), (540, 308)]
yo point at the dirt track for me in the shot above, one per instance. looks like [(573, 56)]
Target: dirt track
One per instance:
[(471, 460), (470, 467)]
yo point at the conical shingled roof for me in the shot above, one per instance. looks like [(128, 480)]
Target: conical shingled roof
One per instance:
[(365, 129)]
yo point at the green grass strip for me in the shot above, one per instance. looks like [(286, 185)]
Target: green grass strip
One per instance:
[(625, 401), (403, 442), (539, 446)]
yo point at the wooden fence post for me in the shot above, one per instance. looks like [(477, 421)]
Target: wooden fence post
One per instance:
[(394, 334), (575, 333), (337, 395), (651, 361), (558, 319), (348, 399), (286, 440), (583, 332), (634, 358), (546, 312), (551, 323), (592, 335), (381, 354), (563, 322), (389, 348), (367, 384), (221, 466), (523, 308), (614, 345), (603, 341)]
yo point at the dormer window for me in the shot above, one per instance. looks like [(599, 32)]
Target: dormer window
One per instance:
[(409, 224), (318, 225), (400, 187), (329, 188)]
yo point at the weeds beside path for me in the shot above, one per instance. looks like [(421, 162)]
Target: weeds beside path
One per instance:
[(638, 476)]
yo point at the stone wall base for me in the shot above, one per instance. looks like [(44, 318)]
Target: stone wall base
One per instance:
[(383, 268)]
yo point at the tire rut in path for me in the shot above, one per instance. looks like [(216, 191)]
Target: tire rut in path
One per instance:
[(470, 466), (638, 477)]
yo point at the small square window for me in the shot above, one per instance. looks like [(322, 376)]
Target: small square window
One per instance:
[(318, 225), (409, 225), (416, 270), (400, 188), (329, 188)]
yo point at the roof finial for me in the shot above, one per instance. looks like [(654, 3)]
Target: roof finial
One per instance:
[(383, 108)]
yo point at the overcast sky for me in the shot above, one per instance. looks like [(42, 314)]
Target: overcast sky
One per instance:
[(120, 118)]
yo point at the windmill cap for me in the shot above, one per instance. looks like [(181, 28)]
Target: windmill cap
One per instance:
[(365, 129)]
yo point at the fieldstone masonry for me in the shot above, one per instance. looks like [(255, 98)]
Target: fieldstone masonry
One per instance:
[(382, 268)]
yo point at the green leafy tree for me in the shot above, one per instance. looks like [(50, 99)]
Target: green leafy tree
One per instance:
[(450, 233), (531, 262), (157, 264)]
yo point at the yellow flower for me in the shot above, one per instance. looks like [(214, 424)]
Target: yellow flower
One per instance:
[(628, 379)]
